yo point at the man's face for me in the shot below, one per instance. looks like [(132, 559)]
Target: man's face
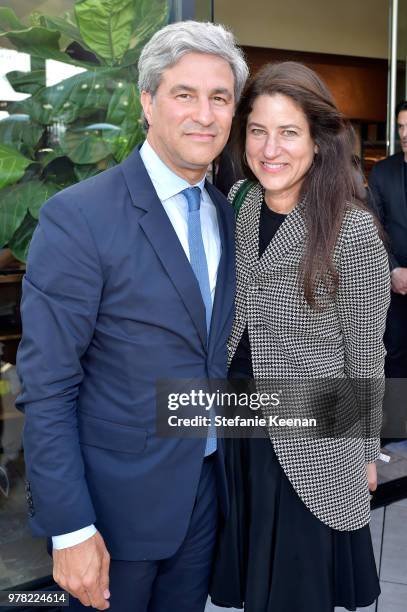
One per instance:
[(191, 113), (402, 128)]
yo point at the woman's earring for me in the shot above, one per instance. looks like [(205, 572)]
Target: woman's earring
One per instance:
[(245, 158)]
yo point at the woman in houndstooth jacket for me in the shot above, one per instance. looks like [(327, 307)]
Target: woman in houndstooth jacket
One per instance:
[(312, 296)]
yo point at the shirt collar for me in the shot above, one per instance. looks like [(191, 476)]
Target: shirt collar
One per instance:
[(166, 183)]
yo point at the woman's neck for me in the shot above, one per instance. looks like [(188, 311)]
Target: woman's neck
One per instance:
[(282, 203)]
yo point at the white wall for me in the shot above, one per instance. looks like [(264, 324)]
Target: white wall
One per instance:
[(346, 27)]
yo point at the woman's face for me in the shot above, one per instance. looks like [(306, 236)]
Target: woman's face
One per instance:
[(279, 147)]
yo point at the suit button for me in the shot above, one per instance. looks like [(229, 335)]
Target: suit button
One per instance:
[(29, 499)]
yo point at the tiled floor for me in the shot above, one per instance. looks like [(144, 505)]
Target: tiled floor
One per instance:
[(389, 536)]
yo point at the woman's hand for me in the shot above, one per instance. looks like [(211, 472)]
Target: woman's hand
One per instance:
[(371, 476)]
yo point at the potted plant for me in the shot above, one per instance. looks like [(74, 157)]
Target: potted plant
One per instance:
[(74, 128)]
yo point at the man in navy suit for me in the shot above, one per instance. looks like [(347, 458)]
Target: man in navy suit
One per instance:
[(388, 196), (130, 279)]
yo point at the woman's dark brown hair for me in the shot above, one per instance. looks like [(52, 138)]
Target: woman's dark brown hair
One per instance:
[(329, 185)]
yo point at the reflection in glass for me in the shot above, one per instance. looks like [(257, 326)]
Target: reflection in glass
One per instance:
[(22, 558)]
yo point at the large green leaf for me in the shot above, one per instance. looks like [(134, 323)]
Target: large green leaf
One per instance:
[(16, 200), (9, 20), (26, 82), (123, 102), (125, 110), (89, 144), (36, 193), (79, 96), (85, 171), (69, 30), (20, 242), (12, 213), (12, 165), (151, 15), (36, 40), (131, 134), (66, 27), (20, 132), (36, 107), (106, 26)]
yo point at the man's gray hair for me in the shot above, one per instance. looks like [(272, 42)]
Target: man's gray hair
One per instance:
[(169, 44)]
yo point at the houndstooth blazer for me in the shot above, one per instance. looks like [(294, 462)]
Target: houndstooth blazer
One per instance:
[(289, 339)]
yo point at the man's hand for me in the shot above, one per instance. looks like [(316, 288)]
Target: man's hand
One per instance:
[(399, 280), (83, 571), (371, 476)]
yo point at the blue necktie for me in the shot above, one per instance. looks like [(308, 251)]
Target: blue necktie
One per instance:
[(199, 266), (197, 255)]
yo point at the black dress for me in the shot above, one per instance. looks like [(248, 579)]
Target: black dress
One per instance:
[(273, 554)]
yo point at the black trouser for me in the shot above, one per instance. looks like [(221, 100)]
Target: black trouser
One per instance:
[(395, 337), (179, 583)]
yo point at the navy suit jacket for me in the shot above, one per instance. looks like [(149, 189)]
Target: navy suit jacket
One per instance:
[(110, 304), (388, 198)]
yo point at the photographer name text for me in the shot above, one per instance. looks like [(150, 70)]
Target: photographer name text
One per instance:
[(238, 421)]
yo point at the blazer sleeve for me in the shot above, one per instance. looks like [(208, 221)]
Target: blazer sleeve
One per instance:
[(378, 206), (61, 295), (363, 298)]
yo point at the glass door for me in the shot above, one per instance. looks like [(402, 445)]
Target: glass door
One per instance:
[(397, 85), (393, 473)]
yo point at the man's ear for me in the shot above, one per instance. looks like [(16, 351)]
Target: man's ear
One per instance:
[(146, 100)]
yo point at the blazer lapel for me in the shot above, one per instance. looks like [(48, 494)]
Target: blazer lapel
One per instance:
[(291, 232), (164, 240), (225, 282), (249, 219)]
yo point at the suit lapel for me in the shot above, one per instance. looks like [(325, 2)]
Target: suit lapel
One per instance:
[(403, 182), (224, 294), (164, 240)]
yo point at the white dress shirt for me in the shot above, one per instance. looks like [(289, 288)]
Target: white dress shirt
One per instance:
[(168, 186)]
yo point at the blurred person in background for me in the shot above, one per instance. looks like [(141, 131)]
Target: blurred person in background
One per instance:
[(388, 197)]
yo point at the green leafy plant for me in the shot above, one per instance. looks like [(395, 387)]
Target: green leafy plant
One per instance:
[(80, 126)]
